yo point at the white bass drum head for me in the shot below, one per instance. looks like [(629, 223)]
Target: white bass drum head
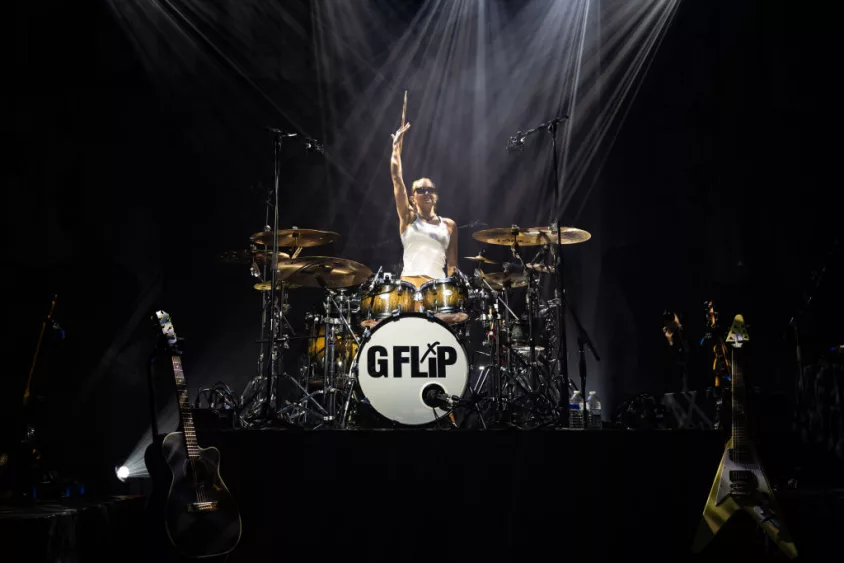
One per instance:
[(402, 358)]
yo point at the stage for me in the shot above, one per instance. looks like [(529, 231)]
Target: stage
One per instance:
[(605, 495)]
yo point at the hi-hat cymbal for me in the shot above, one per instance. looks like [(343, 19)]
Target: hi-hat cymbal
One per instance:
[(265, 286), (295, 238), (480, 258), (531, 236), (504, 280), (323, 271), (247, 257), (539, 267)]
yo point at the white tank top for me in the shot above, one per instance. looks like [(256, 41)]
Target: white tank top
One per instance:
[(424, 249)]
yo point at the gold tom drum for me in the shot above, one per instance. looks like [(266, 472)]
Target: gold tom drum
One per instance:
[(345, 346), (385, 299), (447, 298)]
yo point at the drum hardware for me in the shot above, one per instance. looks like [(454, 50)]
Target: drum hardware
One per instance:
[(556, 236), (249, 257)]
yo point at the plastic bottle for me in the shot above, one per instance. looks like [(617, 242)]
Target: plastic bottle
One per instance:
[(593, 410), (576, 407)]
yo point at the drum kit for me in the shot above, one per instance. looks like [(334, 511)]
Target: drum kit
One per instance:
[(383, 353)]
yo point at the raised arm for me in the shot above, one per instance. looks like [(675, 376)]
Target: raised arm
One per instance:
[(399, 190)]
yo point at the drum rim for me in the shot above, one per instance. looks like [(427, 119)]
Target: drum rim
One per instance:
[(450, 281), (372, 292)]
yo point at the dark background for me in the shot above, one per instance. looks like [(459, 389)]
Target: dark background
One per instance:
[(127, 170)]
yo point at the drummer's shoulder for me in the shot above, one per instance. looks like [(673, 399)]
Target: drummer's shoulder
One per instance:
[(449, 223)]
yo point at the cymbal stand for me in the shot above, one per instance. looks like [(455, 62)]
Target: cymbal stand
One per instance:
[(496, 354), (330, 383), (275, 359)]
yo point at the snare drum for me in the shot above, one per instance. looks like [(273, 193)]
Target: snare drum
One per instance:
[(407, 364), (385, 299), (448, 298)]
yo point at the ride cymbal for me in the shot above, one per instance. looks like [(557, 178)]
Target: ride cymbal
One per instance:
[(296, 238), (323, 271), (530, 236), (568, 235)]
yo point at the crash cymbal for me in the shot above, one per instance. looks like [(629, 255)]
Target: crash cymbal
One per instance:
[(265, 286), (502, 280), (530, 236), (323, 271), (568, 235), (247, 257), (294, 238), (480, 258)]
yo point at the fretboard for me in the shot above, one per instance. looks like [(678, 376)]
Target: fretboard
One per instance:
[(184, 408), (740, 441)]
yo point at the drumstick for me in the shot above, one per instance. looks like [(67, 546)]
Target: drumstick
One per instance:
[(403, 115)]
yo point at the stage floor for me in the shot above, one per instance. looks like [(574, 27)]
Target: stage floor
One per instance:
[(608, 495)]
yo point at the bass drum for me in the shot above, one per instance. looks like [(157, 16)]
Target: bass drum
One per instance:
[(405, 363)]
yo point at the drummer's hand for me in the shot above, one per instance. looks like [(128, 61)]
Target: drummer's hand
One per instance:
[(397, 136)]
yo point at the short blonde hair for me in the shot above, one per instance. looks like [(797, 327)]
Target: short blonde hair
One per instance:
[(417, 183)]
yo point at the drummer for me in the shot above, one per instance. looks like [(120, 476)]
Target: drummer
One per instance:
[(429, 241)]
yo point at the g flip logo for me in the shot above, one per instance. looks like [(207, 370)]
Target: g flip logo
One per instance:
[(439, 358)]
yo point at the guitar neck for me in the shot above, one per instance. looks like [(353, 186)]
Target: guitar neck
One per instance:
[(740, 434), (184, 408)]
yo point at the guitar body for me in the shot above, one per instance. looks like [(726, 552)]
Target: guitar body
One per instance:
[(200, 514), (756, 499)]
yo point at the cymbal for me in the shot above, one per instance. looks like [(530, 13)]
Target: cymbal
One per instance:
[(265, 286), (294, 238), (502, 280), (540, 267), (310, 271), (247, 257), (531, 236), (480, 258)]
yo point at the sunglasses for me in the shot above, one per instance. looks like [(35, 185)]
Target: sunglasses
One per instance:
[(425, 190)]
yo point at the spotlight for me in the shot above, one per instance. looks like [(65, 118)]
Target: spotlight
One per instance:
[(122, 472)]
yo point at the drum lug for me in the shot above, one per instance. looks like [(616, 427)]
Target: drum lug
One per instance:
[(430, 314)]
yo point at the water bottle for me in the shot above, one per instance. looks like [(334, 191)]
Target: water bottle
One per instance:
[(593, 410), (576, 407)]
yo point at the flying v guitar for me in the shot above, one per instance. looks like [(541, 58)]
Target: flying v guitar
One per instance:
[(740, 483)]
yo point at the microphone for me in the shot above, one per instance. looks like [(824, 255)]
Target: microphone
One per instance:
[(435, 397), (517, 143), (375, 278)]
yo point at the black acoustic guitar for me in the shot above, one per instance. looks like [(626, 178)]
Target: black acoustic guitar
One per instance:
[(200, 515)]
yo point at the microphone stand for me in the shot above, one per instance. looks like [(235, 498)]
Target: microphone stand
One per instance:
[(516, 143), (276, 361)]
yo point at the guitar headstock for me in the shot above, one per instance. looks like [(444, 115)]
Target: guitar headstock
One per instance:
[(711, 315), (738, 334), (671, 325), (165, 324)]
